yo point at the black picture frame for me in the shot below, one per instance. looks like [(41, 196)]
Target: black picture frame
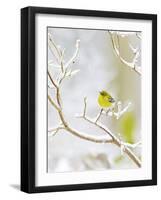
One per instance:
[(28, 91)]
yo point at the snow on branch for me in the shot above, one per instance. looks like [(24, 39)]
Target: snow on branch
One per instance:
[(120, 110), (59, 54), (56, 102), (73, 58), (115, 39)]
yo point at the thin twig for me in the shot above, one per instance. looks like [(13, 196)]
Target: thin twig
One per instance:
[(63, 76), (53, 103), (52, 80), (120, 110), (115, 139), (57, 88), (99, 115), (72, 60), (117, 52), (93, 138), (53, 47), (55, 130), (85, 106)]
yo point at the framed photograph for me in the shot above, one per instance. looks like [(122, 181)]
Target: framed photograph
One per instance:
[(88, 99)]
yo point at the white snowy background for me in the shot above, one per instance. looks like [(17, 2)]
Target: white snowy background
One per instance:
[(100, 69)]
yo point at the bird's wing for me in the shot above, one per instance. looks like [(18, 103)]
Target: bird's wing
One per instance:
[(106, 98)]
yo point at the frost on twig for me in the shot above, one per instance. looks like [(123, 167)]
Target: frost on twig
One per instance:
[(120, 110), (73, 58), (124, 147), (56, 102), (54, 48), (59, 54), (71, 73), (115, 39), (132, 146)]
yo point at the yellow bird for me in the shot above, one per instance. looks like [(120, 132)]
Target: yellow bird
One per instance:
[(105, 100)]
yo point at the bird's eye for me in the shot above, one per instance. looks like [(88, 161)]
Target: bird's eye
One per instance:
[(111, 100)]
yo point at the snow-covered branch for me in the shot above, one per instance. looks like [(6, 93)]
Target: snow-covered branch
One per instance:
[(56, 102), (116, 47), (124, 147), (73, 58), (120, 110), (59, 54)]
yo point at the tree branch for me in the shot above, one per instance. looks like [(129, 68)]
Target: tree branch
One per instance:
[(108, 138), (115, 139), (57, 88), (56, 130), (53, 103), (131, 65), (120, 110), (72, 60), (99, 115)]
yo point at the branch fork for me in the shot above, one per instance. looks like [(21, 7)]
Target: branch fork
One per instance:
[(116, 47), (56, 102)]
